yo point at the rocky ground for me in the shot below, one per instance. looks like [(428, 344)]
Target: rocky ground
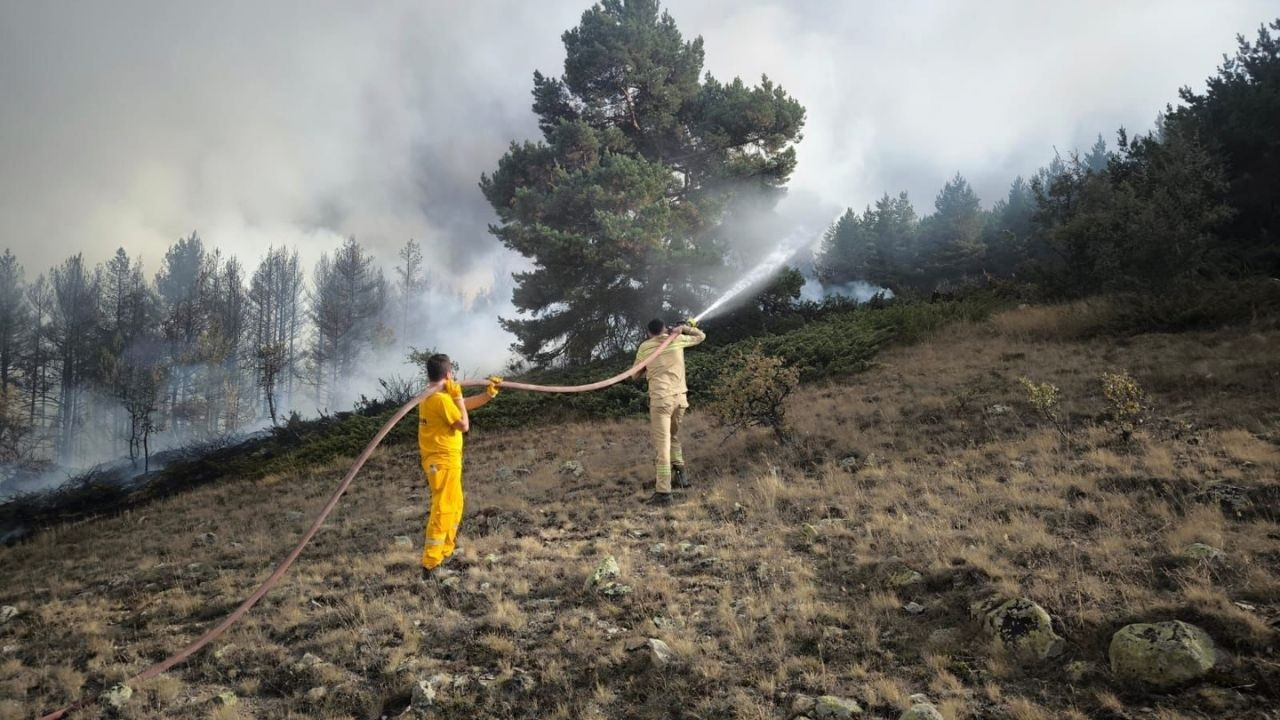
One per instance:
[(926, 545)]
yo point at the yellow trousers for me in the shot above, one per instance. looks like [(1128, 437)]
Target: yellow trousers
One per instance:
[(665, 415), (445, 480)]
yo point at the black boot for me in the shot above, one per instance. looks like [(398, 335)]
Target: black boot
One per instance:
[(659, 499), (678, 478)]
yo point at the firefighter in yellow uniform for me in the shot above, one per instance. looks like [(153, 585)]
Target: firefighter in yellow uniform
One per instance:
[(668, 399), (442, 419)]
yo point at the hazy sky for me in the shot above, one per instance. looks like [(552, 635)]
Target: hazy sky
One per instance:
[(258, 123)]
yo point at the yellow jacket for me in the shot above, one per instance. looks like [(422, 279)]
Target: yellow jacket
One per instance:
[(666, 372)]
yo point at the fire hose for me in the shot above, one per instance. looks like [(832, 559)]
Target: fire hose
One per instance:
[(289, 559)]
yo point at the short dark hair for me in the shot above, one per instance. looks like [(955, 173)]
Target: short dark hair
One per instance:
[(656, 326), (438, 366)]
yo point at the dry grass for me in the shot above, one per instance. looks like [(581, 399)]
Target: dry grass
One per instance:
[(769, 580), (1069, 321)]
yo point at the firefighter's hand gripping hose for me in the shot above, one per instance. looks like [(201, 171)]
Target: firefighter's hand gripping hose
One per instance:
[(289, 559)]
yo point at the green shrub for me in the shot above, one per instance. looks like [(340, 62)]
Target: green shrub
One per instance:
[(753, 392), (1126, 403)]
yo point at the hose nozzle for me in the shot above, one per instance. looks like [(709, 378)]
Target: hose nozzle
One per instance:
[(691, 322)]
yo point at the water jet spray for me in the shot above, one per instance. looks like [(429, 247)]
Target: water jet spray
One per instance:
[(760, 272)]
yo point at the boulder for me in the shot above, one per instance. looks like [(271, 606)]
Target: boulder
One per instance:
[(802, 704), (1019, 626), (651, 652), (1161, 654), (913, 608), (606, 571), (1201, 551), (660, 654), (830, 707), (572, 467), (615, 589), (116, 697), (308, 660), (896, 574), (921, 711), (425, 691)]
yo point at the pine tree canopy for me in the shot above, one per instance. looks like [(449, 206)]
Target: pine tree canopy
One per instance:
[(619, 205)]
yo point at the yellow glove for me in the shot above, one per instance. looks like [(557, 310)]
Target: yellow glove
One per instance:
[(492, 388), (691, 322), (452, 388)]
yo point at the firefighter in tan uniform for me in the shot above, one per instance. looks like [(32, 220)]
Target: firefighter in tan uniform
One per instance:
[(668, 399)]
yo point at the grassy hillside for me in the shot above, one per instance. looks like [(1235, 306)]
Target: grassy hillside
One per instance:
[(844, 564), (826, 340)]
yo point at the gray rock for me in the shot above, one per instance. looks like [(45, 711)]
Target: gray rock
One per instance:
[(1161, 654), (606, 571), (1020, 627), (317, 693), (293, 515), (424, 695), (896, 574), (226, 698), (308, 661), (830, 707), (918, 699), (492, 559), (403, 542), (615, 589), (1201, 551), (206, 539), (849, 463), (7, 613), (913, 608), (426, 691), (572, 467), (921, 711), (660, 654), (802, 704), (116, 697), (998, 410)]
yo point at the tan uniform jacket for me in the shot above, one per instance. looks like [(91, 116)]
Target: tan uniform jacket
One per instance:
[(666, 372)]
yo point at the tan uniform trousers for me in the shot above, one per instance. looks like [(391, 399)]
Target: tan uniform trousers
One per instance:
[(665, 415)]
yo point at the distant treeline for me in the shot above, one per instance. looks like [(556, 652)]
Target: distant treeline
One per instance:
[(1193, 200), (95, 361)]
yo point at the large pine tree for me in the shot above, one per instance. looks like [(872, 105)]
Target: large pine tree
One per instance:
[(619, 205)]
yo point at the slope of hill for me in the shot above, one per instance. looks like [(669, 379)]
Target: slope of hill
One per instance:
[(852, 563)]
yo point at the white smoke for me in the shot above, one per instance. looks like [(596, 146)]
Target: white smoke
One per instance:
[(857, 290)]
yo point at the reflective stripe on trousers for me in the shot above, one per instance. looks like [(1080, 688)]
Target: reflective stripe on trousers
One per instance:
[(665, 415)]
